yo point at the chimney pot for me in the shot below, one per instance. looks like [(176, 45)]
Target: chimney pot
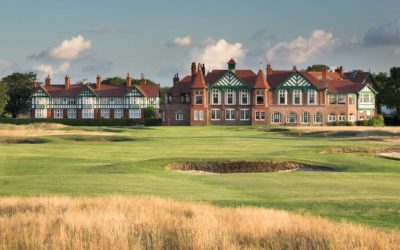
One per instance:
[(67, 81), (269, 69), (98, 81), (324, 73), (176, 79), (128, 80), (194, 70), (294, 68), (47, 81)]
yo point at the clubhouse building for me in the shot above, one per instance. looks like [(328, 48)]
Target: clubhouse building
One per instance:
[(275, 97), (70, 101)]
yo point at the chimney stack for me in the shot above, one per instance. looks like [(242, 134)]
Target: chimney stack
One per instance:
[(203, 68), (128, 80), (324, 73), (34, 85), (47, 81), (340, 71), (98, 81), (142, 79), (269, 69), (176, 79), (294, 68), (67, 81), (194, 71)]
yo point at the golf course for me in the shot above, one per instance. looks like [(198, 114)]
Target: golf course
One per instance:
[(359, 186)]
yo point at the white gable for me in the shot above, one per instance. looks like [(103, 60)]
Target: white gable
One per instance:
[(229, 80), (296, 81)]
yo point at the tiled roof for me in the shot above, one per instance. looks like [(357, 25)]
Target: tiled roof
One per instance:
[(261, 82), (182, 87), (329, 75), (344, 86), (247, 76), (279, 76), (198, 81)]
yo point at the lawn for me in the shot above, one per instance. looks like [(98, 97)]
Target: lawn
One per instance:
[(363, 188)]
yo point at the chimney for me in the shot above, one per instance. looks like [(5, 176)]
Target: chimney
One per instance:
[(340, 71), (176, 79), (324, 73), (194, 71), (34, 85), (47, 81), (67, 81), (269, 69), (128, 80), (203, 68), (98, 81), (142, 79), (294, 68)]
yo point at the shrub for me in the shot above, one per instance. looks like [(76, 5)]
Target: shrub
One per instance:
[(149, 113), (377, 121), (153, 122)]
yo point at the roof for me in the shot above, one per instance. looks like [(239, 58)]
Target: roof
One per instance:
[(198, 81), (247, 76), (231, 61), (147, 89), (261, 81), (329, 75), (344, 86), (280, 76), (182, 87)]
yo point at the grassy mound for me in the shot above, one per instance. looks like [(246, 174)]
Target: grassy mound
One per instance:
[(241, 166), (149, 223), (96, 138), (22, 140)]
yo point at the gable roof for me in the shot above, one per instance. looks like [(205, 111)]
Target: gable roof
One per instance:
[(198, 81), (261, 81), (280, 76), (248, 77)]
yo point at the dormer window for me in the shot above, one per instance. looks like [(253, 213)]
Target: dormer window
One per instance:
[(260, 97), (198, 97)]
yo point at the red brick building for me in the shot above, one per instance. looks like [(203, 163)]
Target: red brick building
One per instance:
[(276, 97), (70, 101)]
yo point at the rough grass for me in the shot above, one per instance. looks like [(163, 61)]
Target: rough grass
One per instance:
[(149, 223)]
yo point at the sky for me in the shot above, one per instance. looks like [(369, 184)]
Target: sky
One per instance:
[(162, 37)]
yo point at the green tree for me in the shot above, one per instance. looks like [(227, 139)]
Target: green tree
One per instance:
[(114, 81), (389, 88), (149, 113), (19, 91), (3, 97), (317, 67)]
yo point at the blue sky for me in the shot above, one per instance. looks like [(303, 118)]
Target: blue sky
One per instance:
[(160, 38)]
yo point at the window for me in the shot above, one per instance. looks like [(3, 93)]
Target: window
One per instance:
[(361, 115), (179, 116), (341, 99), (291, 118), (262, 115), (216, 96), (352, 99), (215, 114), (201, 115), (332, 99), (276, 118), (65, 101), (369, 114), (282, 94), (230, 114), (198, 97), (230, 97), (196, 115), (112, 100), (244, 114), (105, 113), (351, 117), (72, 101), (71, 113), (318, 118), (259, 97), (312, 97), (40, 113), (87, 100), (305, 118), (135, 113), (119, 100), (366, 98), (185, 98), (297, 97), (118, 113), (244, 97), (88, 113), (331, 117), (341, 117), (168, 99), (58, 113)]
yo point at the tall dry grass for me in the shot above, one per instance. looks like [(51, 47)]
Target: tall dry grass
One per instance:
[(150, 223)]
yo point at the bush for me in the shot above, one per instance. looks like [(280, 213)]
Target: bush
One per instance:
[(149, 113), (153, 122), (342, 123), (377, 121), (73, 122)]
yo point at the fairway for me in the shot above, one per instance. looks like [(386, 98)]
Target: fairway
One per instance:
[(363, 188)]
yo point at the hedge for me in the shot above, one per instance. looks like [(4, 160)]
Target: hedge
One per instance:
[(84, 122)]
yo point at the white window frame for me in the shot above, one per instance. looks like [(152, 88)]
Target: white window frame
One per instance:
[(178, 116), (362, 115), (245, 114), (305, 118), (118, 113), (230, 114), (230, 92), (341, 117), (195, 115), (289, 116), (369, 114), (260, 93), (352, 99), (105, 113), (309, 93), (244, 93), (71, 113), (351, 117), (331, 117), (198, 93), (135, 113), (58, 113), (216, 93), (300, 95), (40, 113), (87, 113), (318, 116), (215, 114), (276, 116), (280, 93)]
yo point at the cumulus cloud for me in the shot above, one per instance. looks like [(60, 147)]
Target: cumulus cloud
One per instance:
[(5, 64), (385, 34), (217, 54), (47, 69), (180, 42), (67, 50), (302, 48)]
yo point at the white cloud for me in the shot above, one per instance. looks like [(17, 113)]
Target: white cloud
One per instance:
[(385, 34), (217, 54), (183, 41), (48, 69), (302, 49), (5, 64), (70, 49)]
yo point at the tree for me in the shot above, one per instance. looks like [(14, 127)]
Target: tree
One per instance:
[(389, 88), (3, 97), (114, 81), (149, 112), (317, 67), (19, 91)]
